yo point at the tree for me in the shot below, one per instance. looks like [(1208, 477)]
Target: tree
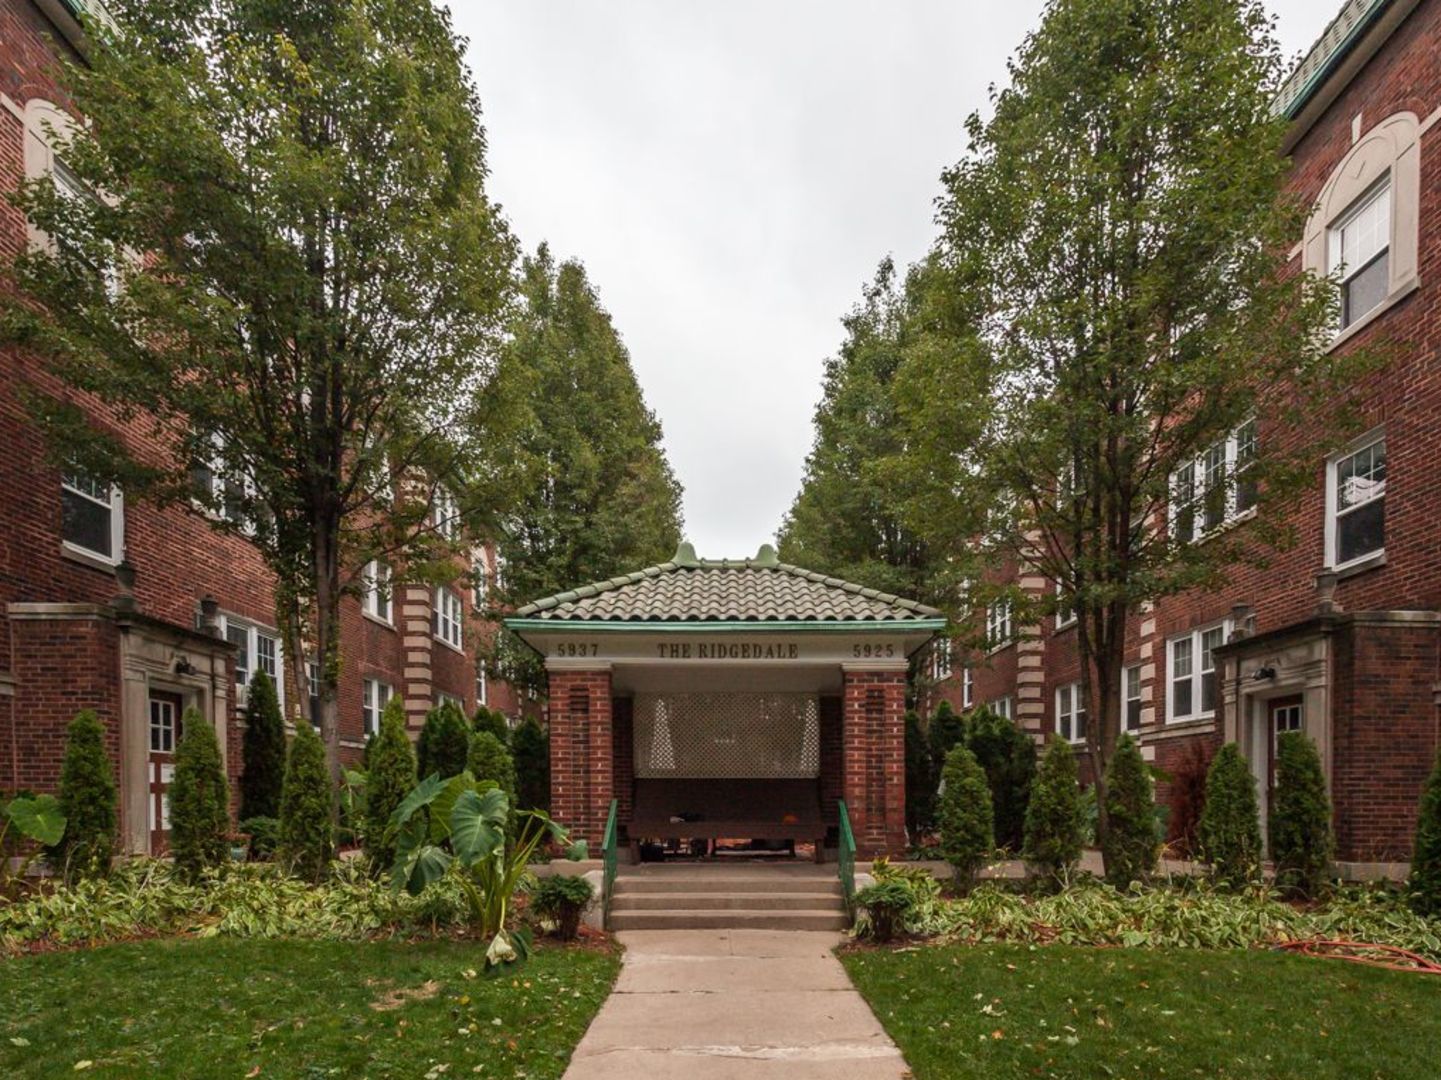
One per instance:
[(1424, 884), (1230, 831), (946, 729), (307, 808), (596, 495), (87, 801), (921, 779), (1008, 756), (389, 777), (322, 283), (1300, 812), (1108, 315), (1053, 818), (1132, 842), (444, 741), (199, 800), (263, 750), (530, 750), (490, 760), (964, 816), (493, 721)]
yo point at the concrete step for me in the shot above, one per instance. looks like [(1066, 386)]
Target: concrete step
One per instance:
[(736, 919), (714, 901), (699, 882)]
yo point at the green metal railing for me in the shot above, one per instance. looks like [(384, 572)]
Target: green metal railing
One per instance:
[(846, 859), (610, 860)]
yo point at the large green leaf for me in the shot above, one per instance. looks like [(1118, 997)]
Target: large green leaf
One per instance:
[(440, 810), (417, 863), (39, 818), (477, 825), (423, 794)]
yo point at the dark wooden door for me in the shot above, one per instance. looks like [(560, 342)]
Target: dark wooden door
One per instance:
[(165, 711)]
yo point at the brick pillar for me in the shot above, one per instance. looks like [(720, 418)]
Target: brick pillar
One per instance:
[(874, 758), (581, 752)]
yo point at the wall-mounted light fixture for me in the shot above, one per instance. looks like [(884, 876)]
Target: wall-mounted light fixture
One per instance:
[(1264, 672), (183, 665)]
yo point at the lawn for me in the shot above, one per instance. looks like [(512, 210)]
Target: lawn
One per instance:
[(232, 1008), (1057, 1011)]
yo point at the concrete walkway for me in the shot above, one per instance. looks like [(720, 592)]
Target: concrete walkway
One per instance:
[(744, 1004)]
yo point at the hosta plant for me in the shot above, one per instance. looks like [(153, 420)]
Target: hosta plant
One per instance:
[(563, 898)]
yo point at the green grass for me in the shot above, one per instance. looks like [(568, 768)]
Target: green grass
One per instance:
[(228, 1008), (1010, 1010)]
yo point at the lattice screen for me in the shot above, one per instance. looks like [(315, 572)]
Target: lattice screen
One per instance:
[(739, 735)]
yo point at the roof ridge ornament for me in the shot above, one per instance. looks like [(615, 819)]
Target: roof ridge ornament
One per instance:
[(685, 555), (766, 557)]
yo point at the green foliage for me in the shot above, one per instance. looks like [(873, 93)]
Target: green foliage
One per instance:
[(263, 751), (34, 817), (564, 898), (493, 721), (444, 742), (965, 816), (264, 833), (307, 808), (87, 801), (530, 750), (1300, 811), (490, 760), (1425, 880), (1008, 755), (1053, 816), (390, 777), (920, 780), (1230, 830), (886, 904), (946, 730), (199, 800), (1132, 842)]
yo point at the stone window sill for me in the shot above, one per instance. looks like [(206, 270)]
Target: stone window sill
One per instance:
[(1403, 290), (387, 623), (85, 558), (1371, 562)]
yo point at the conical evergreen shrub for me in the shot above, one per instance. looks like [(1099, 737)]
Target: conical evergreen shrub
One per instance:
[(1053, 817), (920, 779), (493, 721), (945, 730), (1008, 756), (1424, 884), (87, 799), (444, 742), (530, 750), (263, 752), (490, 760), (199, 800), (307, 807), (1230, 830), (390, 776), (965, 817), (1132, 840), (1300, 818)]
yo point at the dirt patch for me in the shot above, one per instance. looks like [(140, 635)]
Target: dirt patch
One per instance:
[(396, 999)]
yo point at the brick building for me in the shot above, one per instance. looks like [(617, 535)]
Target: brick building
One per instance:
[(1341, 636), (138, 612)]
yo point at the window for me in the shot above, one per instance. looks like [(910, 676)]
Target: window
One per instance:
[(442, 698), (941, 661), (448, 617), (968, 687), (1356, 504), (998, 623), (1071, 713), (1217, 487), (255, 650), (376, 695), (479, 578), (377, 590), (1065, 608), (1131, 697), (1001, 707), (162, 726), (482, 687), (92, 518), (1358, 252), (222, 491), (445, 511), (312, 690), (1193, 686)]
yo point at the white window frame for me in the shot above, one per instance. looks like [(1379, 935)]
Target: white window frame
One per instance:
[(445, 514), (1127, 697), (1335, 259), (941, 661), (449, 619), (1065, 616), (1371, 439), (1196, 675), (312, 692), (1001, 706), (999, 629), (1071, 708), (441, 698), (968, 686), (254, 632), (116, 509), (375, 695), (482, 685), (1232, 466), (379, 598), (480, 579)]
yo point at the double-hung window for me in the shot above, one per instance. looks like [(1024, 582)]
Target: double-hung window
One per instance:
[(1001, 707), (442, 698), (1193, 690), (1131, 697), (1065, 608), (1356, 504), (941, 660), (1359, 252), (222, 490), (482, 686), (445, 513), (998, 623), (92, 518), (377, 694), (1071, 713), (256, 650), (968, 687), (480, 579), (449, 617), (1216, 487), (377, 599), (312, 690)]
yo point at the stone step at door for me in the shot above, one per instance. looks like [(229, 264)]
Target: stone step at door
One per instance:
[(718, 898)]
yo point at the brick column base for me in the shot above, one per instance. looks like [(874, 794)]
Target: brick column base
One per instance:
[(582, 779), (874, 759)]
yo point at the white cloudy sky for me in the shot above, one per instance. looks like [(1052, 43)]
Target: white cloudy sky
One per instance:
[(730, 173)]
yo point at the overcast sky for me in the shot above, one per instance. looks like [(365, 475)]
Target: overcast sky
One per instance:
[(730, 173)]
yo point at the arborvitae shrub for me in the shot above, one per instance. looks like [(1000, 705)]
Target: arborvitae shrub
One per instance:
[(920, 780), (1053, 817), (530, 750), (1230, 829), (1131, 844), (199, 800), (263, 752), (945, 730), (1300, 825), (87, 799), (389, 778), (444, 742), (490, 760), (307, 831), (965, 816), (1425, 881), (493, 721), (1008, 756)]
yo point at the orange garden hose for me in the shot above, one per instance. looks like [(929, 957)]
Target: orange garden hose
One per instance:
[(1382, 956)]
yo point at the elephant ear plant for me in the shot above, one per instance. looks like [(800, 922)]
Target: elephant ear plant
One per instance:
[(457, 827)]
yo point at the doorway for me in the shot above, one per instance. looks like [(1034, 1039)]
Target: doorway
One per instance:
[(165, 722), (1283, 714)]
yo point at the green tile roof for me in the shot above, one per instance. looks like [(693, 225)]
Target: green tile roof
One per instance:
[(761, 590), (1354, 18)]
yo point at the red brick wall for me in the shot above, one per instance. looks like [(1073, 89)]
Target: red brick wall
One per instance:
[(874, 758), (581, 752), (832, 759), (623, 756)]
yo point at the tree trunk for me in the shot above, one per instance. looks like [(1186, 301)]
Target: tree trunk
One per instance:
[(327, 644)]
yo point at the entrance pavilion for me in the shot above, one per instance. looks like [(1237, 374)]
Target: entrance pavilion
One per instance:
[(737, 699)]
